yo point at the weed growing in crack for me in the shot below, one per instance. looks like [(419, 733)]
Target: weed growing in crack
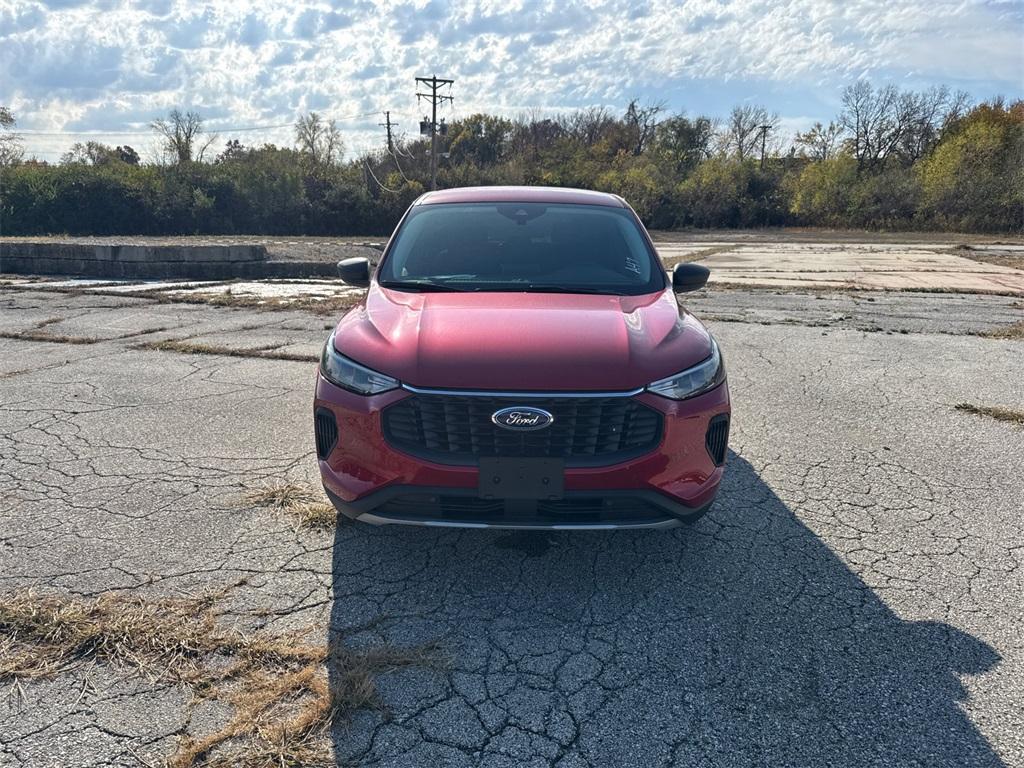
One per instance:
[(993, 412), (304, 505), (37, 333), (186, 347), (282, 698)]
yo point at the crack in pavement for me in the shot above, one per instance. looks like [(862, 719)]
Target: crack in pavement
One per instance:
[(855, 597)]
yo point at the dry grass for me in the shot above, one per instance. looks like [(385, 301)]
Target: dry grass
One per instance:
[(1005, 258), (43, 635), (186, 347), (37, 333), (993, 412), (282, 697), (304, 505), (1015, 331), (331, 306)]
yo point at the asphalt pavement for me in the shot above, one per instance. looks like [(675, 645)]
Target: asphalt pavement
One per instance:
[(855, 597)]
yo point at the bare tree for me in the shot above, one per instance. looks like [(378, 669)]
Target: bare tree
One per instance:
[(531, 133), (742, 137), (925, 115), (319, 139), (642, 122), (821, 142), (889, 123), (182, 136), (11, 150), (960, 103), (876, 121), (588, 126)]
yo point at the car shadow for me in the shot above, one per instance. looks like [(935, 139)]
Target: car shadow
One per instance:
[(743, 640)]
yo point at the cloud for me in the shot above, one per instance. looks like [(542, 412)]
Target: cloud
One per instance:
[(16, 19), (73, 65), (253, 31), (188, 32)]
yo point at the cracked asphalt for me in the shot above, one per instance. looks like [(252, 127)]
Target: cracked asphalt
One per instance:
[(855, 598)]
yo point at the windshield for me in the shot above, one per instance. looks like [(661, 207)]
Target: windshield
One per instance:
[(521, 247)]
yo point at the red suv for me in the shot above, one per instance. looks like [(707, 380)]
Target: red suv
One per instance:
[(520, 361)]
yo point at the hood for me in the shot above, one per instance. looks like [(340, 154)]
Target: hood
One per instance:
[(522, 341)]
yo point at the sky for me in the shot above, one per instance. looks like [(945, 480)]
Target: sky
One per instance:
[(78, 70)]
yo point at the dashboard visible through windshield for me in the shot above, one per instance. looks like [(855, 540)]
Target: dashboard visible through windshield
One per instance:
[(521, 247)]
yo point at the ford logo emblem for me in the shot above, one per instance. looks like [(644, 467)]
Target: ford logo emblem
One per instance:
[(522, 418)]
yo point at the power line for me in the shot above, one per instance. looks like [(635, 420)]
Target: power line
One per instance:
[(370, 171), (149, 131), (399, 167), (435, 84)]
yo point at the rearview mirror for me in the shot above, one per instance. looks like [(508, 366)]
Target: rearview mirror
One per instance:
[(689, 277), (355, 271)]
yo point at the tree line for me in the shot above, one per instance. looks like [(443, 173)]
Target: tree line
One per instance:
[(891, 159)]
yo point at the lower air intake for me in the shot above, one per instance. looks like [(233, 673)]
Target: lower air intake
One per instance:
[(717, 439), (326, 432)]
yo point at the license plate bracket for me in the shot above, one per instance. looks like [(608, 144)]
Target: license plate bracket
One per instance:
[(513, 478)]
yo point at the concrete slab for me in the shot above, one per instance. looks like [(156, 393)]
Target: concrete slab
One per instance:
[(313, 289), (874, 266), (1013, 247), (75, 282), (154, 285)]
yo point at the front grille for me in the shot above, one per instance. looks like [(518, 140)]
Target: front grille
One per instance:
[(717, 439), (326, 429), (576, 510), (457, 429)]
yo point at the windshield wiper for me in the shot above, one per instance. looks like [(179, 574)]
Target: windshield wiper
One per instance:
[(423, 285), (544, 288)]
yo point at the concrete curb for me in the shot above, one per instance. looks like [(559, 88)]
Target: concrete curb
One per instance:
[(148, 262)]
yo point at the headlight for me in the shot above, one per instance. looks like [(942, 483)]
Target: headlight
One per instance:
[(350, 375), (702, 377)]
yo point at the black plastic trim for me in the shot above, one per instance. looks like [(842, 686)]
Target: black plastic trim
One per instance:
[(716, 440), (471, 458), (370, 503), (325, 427)]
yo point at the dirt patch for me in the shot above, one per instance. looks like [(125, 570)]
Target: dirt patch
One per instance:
[(332, 305), (186, 347), (1015, 331), (992, 255), (303, 505), (993, 412), (284, 691)]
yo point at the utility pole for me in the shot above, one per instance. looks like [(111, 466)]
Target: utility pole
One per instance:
[(387, 124), (764, 136), (434, 83)]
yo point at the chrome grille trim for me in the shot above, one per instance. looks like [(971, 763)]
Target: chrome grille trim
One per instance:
[(493, 393)]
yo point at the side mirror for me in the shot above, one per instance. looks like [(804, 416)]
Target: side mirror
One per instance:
[(689, 277), (355, 271)]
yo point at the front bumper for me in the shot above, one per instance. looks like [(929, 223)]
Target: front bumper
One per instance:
[(369, 480)]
